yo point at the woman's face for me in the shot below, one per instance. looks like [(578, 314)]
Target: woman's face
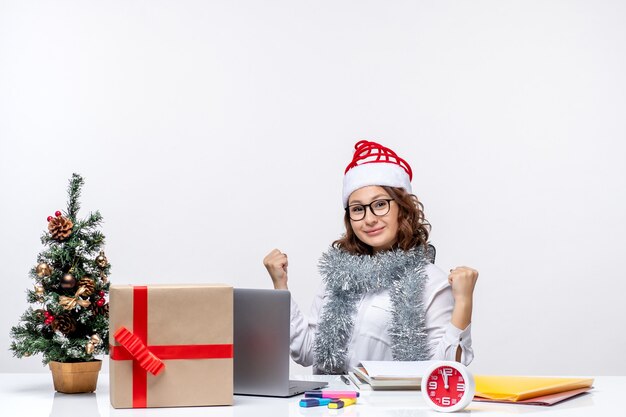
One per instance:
[(379, 232)]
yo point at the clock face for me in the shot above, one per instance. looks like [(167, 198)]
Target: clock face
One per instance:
[(448, 386)]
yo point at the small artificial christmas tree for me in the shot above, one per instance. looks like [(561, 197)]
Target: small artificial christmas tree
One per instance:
[(71, 285)]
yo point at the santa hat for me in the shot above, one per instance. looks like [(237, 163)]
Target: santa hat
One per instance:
[(373, 164)]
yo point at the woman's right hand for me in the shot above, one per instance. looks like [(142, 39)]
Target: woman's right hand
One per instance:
[(276, 264)]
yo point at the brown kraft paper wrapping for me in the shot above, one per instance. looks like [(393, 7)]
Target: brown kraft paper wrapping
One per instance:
[(176, 315)]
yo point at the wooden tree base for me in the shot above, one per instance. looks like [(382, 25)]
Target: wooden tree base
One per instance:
[(72, 378)]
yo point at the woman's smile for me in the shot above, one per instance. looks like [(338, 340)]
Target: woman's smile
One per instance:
[(375, 232)]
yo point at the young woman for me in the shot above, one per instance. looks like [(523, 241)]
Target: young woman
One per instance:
[(381, 298)]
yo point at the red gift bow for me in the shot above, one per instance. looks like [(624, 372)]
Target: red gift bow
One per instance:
[(140, 352), (149, 358)]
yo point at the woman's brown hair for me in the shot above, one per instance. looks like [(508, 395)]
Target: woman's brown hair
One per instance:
[(413, 228)]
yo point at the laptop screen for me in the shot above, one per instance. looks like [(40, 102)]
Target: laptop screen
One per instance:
[(261, 341)]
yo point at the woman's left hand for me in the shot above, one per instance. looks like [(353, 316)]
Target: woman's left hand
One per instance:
[(463, 279)]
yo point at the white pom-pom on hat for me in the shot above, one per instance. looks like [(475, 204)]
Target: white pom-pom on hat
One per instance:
[(374, 164)]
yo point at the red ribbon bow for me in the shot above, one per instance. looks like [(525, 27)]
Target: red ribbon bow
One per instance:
[(147, 360)]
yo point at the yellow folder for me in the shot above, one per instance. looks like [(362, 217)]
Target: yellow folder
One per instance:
[(517, 388)]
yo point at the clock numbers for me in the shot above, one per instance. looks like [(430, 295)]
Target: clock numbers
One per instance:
[(446, 401)]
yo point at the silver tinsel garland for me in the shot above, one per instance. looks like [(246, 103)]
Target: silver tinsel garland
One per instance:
[(348, 277)]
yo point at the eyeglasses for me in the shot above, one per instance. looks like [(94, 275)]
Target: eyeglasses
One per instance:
[(377, 207)]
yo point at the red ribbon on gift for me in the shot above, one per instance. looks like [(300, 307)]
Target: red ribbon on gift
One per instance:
[(146, 358)]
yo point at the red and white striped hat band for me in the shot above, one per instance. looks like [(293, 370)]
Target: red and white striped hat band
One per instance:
[(374, 164)]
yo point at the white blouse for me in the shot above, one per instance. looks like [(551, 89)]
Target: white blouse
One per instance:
[(370, 338)]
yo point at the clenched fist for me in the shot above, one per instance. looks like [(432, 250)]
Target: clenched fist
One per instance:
[(463, 279), (276, 264)]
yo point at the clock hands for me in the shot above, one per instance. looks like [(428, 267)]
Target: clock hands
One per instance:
[(444, 374)]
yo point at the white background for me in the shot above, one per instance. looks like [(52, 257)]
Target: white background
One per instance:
[(210, 132)]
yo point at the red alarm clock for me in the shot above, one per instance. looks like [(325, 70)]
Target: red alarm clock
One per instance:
[(448, 386)]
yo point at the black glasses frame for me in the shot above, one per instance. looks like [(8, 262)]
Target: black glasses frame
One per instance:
[(388, 200)]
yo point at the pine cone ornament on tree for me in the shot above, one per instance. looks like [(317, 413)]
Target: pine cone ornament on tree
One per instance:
[(64, 323), (88, 284), (60, 228), (100, 310)]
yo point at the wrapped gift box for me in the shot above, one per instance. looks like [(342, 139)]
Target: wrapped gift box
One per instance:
[(171, 345)]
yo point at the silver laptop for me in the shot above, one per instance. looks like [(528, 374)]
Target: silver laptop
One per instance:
[(261, 344)]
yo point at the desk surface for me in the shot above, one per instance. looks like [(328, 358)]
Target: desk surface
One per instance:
[(23, 395)]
